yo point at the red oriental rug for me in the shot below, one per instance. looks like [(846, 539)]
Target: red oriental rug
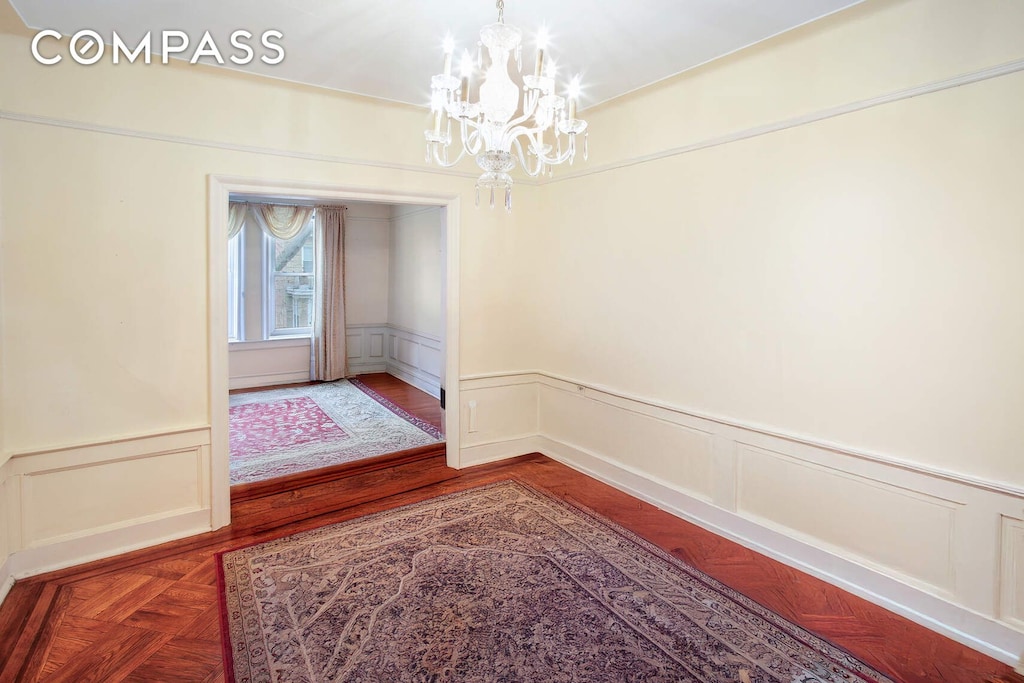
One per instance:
[(499, 583), (283, 431)]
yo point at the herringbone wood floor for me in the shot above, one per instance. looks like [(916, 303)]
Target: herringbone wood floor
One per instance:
[(152, 615)]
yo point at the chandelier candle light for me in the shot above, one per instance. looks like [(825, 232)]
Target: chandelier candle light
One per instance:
[(490, 128)]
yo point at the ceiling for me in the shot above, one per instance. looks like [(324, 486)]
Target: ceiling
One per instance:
[(390, 48)]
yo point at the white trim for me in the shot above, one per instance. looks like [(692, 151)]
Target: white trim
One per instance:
[(734, 136), (428, 337), (267, 379), (718, 57), (366, 368), (68, 553), (963, 625), (363, 326), (217, 350), (451, 215), (6, 580), (414, 211), (220, 187), (113, 447), (510, 378), (959, 603), (417, 379), (279, 343), (481, 454), (350, 218), (802, 120), (229, 146), (412, 371)]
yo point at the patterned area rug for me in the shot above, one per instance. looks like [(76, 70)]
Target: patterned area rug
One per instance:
[(283, 431), (499, 583)]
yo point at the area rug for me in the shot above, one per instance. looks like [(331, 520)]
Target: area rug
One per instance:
[(499, 583), (284, 431)]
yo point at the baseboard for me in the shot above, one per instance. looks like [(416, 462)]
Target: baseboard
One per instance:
[(421, 381), (960, 624), (484, 453), (366, 368), (266, 380), (6, 581), (41, 559)]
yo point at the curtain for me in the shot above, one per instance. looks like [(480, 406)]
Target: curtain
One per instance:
[(329, 359), (282, 222), (236, 217)]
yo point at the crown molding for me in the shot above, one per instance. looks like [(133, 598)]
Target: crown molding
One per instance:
[(228, 146), (735, 136), (802, 120)]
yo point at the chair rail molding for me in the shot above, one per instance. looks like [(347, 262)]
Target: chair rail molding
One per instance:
[(953, 564)]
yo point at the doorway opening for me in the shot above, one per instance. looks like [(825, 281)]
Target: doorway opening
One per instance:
[(399, 337)]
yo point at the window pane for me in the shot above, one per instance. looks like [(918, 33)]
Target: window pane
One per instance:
[(293, 301), (291, 283)]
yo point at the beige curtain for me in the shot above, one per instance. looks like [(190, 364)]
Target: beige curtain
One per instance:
[(282, 222), (236, 217), (329, 359)]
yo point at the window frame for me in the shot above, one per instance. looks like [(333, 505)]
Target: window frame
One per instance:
[(268, 288)]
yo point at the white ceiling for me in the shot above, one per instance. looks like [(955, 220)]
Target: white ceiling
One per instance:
[(390, 48)]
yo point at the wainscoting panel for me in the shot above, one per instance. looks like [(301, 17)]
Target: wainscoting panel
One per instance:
[(854, 515), (415, 358), (412, 357), (1011, 584), (8, 518), (265, 363), (942, 549), (365, 348), (667, 451), (92, 501), (76, 501), (496, 415), (354, 346)]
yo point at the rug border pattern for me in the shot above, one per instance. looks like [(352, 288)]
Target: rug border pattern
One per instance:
[(771, 619), (397, 409)]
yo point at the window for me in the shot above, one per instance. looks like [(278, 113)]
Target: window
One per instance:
[(289, 283), (270, 296)]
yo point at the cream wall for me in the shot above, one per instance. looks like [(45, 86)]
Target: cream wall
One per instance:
[(852, 279), (367, 262), (416, 319), (417, 270), (780, 307), (104, 277), (140, 203), (783, 301)]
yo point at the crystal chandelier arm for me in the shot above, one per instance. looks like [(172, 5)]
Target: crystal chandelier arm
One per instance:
[(515, 124), (566, 155), (443, 162), (532, 172), (472, 140)]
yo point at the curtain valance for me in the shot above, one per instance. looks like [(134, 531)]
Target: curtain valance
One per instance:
[(279, 221)]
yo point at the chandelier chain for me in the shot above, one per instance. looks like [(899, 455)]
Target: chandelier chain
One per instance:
[(500, 4)]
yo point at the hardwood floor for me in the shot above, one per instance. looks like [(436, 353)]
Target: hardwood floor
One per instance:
[(152, 615)]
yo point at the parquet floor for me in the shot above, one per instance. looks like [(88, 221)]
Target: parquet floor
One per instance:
[(152, 615)]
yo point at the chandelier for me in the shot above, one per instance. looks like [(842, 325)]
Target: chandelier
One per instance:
[(539, 125)]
